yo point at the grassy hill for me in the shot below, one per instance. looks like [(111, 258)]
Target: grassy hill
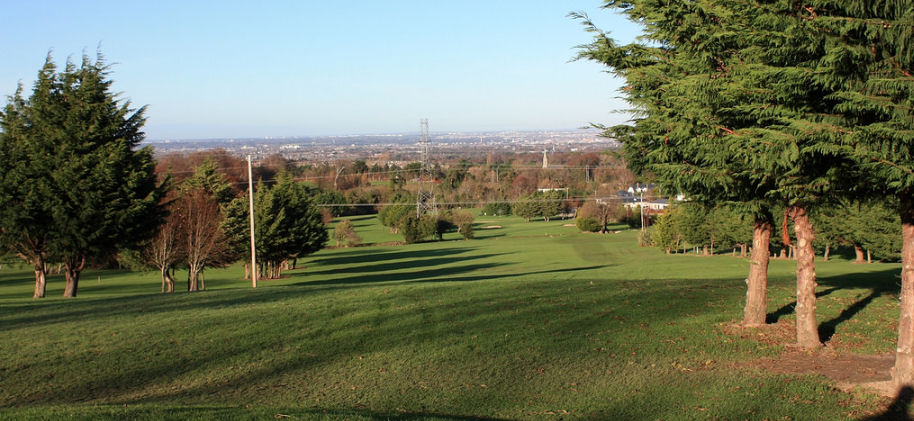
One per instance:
[(527, 321)]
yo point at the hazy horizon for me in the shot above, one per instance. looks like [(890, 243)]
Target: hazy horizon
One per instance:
[(305, 68)]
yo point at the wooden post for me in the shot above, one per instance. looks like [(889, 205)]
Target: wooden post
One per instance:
[(251, 213)]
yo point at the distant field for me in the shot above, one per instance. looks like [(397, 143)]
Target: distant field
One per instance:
[(527, 321)]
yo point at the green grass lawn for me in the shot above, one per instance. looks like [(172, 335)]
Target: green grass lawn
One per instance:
[(527, 321)]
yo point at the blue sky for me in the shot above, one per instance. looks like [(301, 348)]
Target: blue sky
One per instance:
[(299, 68)]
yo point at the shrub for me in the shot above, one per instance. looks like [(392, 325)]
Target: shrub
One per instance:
[(497, 209), (467, 230), (344, 231), (416, 229), (587, 224)]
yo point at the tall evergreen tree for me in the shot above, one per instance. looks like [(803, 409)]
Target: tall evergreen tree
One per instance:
[(105, 194), (287, 225), (79, 188), (870, 61), (732, 110), (25, 214)]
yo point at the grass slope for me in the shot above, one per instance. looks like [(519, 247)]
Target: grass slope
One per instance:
[(529, 321)]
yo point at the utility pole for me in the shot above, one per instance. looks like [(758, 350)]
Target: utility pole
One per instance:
[(251, 213)]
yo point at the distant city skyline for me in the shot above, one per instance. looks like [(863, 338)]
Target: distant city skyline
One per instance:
[(308, 68)]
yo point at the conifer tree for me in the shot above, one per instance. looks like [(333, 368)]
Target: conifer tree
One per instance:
[(287, 225), (870, 61), (25, 223), (75, 186), (104, 191), (733, 110)]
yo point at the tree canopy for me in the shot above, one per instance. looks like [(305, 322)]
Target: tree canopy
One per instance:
[(77, 186)]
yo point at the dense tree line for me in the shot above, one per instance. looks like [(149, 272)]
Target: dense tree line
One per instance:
[(767, 104), (77, 190)]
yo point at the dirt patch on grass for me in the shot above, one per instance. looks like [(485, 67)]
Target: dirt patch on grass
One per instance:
[(844, 369), (847, 370)]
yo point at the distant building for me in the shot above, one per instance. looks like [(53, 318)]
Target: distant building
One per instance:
[(632, 198)]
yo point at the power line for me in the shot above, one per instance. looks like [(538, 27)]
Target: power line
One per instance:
[(476, 202)]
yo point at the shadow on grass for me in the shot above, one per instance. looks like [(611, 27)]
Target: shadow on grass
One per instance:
[(899, 409), (786, 309), (399, 265), (356, 256), (879, 283)]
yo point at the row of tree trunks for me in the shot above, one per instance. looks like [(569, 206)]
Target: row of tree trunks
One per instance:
[(755, 311)]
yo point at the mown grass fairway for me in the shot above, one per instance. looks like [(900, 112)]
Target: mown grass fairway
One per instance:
[(528, 321)]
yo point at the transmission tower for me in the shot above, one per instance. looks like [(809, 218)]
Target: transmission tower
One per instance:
[(425, 199)]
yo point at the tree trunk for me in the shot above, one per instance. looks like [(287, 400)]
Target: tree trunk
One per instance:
[(903, 371), (73, 266), (163, 271), (169, 282), (742, 247), (807, 328), (41, 277), (827, 252), (869, 256), (705, 252), (247, 271), (756, 309), (859, 252), (192, 279)]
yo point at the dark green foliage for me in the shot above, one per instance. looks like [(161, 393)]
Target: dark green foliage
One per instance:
[(587, 224), (416, 229), (729, 228), (869, 62), (526, 208), (665, 231), (694, 225), (25, 212), (539, 205), (80, 173), (391, 215), (328, 197), (466, 230), (207, 178), (868, 225), (287, 225), (443, 224), (497, 209), (730, 106), (879, 231)]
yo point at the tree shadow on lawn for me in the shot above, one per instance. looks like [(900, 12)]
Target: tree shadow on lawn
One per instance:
[(410, 270), (899, 409), (879, 283), (374, 256), (217, 412)]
